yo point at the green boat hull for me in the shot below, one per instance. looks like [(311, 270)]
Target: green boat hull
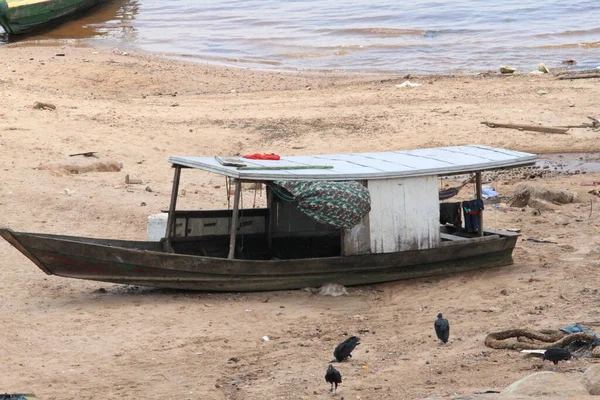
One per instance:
[(22, 16)]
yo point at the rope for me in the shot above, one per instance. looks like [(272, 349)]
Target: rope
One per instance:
[(528, 339), (280, 193), (446, 194)]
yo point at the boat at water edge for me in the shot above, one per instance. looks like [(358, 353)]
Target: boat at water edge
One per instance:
[(23, 16)]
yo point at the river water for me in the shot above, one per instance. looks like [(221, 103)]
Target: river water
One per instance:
[(418, 36)]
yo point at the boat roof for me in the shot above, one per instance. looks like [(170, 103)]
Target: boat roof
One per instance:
[(363, 166)]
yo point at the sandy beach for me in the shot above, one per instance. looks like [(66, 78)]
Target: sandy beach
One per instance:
[(71, 339)]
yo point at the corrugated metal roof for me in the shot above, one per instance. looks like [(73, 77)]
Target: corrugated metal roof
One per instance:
[(392, 164)]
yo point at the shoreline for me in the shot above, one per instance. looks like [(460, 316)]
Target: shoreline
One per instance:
[(239, 64)]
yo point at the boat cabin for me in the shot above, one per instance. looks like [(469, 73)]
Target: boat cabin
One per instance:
[(332, 205)]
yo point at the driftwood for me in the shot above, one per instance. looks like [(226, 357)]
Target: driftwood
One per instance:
[(595, 124), (537, 128), (580, 76), (583, 71), (86, 154), (530, 339), (286, 167)]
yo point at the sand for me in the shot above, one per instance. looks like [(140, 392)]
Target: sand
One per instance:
[(71, 339)]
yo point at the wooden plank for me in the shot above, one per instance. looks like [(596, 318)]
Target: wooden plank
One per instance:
[(231, 161), (583, 76), (472, 240), (247, 212), (447, 236), (171, 218), (234, 219), (501, 232), (270, 220), (220, 226), (536, 128), (478, 194), (290, 167)]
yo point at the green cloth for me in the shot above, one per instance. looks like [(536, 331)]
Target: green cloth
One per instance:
[(341, 204)]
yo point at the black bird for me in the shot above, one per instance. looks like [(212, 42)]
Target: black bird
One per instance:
[(556, 354), (333, 376), (343, 350), (442, 328)]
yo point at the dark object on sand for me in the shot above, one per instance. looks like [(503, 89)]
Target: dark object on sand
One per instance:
[(16, 396), (442, 328), (343, 350), (333, 376), (86, 154), (556, 354)]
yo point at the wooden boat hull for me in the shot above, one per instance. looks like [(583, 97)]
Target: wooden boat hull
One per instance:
[(143, 263), (22, 16)]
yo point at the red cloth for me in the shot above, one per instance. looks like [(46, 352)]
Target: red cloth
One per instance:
[(262, 156)]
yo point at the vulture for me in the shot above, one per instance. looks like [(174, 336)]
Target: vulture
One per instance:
[(343, 350), (442, 328), (333, 376), (554, 354)]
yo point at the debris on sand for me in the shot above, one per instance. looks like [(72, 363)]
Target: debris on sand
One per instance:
[(329, 289), (541, 197), (505, 69), (408, 84), (81, 166), (38, 105)]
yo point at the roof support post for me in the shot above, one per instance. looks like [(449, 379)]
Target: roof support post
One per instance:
[(234, 218), (269, 221), (171, 218), (478, 191)]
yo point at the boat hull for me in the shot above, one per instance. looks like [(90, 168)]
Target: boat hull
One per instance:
[(142, 263), (17, 17)]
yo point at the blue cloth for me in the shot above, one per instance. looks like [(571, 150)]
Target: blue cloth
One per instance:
[(487, 192), (470, 210), (472, 223), (577, 328)]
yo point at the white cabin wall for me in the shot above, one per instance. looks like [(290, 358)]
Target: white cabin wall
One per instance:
[(405, 214)]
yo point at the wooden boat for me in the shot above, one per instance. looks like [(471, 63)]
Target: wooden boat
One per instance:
[(22, 16), (280, 246)]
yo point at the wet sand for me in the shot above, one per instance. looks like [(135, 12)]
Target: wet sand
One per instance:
[(68, 339)]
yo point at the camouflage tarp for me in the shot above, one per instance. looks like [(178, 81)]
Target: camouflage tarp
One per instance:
[(341, 204)]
